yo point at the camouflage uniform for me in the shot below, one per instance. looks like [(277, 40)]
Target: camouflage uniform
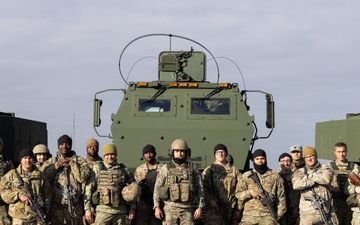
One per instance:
[(91, 161), (105, 184), (341, 172), (78, 174), (185, 186), (144, 210), (318, 177), (291, 216), (350, 189), (298, 164), (5, 166), (221, 179), (10, 192), (254, 211)]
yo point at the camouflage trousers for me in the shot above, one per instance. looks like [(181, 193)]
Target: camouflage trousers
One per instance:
[(355, 218), (145, 214), (306, 219), (59, 214), (178, 216), (17, 221), (257, 220), (103, 218), (213, 217), (4, 218)]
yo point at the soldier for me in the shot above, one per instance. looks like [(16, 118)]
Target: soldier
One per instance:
[(298, 161), (41, 153), (104, 189), (66, 172), (353, 189), (342, 168), (92, 150), (179, 186), (145, 176), (21, 200), (317, 178), (219, 188), (5, 166), (291, 216), (250, 196)]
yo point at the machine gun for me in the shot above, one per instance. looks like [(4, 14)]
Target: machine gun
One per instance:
[(268, 198), (69, 194), (36, 204), (318, 203), (222, 207)]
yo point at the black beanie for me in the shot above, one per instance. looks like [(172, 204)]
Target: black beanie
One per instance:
[(285, 155), (258, 152), (149, 148), (65, 139), (220, 147), (25, 152)]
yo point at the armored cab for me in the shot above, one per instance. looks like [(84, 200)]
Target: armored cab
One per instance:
[(18, 133), (328, 133), (181, 103)]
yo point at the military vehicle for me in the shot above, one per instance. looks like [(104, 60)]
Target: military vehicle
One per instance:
[(182, 103), (18, 133), (328, 133)]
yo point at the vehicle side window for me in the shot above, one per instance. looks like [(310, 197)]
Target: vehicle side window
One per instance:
[(157, 105), (215, 106)]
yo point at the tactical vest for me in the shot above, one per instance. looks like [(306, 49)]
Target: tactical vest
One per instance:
[(180, 180), (340, 177), (110, 184)]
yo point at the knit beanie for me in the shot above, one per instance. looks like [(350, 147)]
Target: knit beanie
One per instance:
[(65, 139), (149, 148), (92, 141), (1, 142), (285, 155), (25, 152), (109, 149), (220, 147), (309, 151), (258, 152)]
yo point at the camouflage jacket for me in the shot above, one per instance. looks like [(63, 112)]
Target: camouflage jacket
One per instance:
[(272, 183), (93, 182), (319, 177), (350, 188), (222, 179), (91, 161), (198, 192), (298, 164), (142, 170), (78, 175), (11, 191), (5, 166)]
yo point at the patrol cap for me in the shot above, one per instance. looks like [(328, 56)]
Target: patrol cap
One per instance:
[(109, 149), (296, 148), (25, 152), (131, 193)]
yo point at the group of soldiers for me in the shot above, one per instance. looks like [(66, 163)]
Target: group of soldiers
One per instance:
[(68, 189)]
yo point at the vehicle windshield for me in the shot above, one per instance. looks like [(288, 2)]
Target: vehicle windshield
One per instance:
[(157, 105), (216, 106)]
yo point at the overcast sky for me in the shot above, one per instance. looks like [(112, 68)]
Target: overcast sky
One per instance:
[(55, 55)]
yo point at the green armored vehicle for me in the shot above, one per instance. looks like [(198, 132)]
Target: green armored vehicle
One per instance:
[(328, 133), (182, 103)]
